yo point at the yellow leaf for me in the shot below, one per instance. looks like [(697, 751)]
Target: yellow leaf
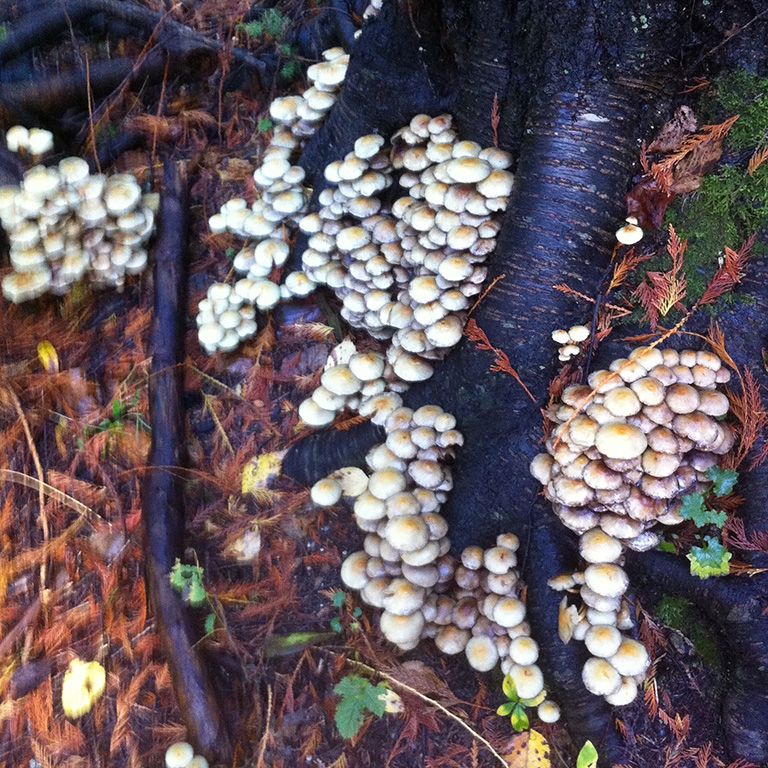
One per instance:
[(261, 470), (48, 357), (528, 750)]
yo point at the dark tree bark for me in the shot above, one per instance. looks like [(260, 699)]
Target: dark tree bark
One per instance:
[(577, 84)]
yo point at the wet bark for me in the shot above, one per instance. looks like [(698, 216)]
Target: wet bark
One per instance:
[(574, 86), (162, 504)]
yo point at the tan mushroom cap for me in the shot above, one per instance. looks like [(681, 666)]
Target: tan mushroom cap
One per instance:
[(622, 401), (600, 677), (682, 398), (481, 653), (524, 651), (326, 492), (353, 570), (403, 598), (658, 464), (600, 478), (620, 441), (631, 658), (407, 533), (509, 612), (385, 483), (402, 630), (596, 546), (528, 680), (452, 640), (603, 641), (606, 579), (468, 170)]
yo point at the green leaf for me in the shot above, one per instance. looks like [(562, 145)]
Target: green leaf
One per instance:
[(210, 623), (506, 708), (667, 546), (188, 581), (694, 509), (117, 410), (509, 688), (534, 702), (357, 696), (587, 756), (723, 480), (709, 560), (230, 253), (336, 624), (358, 612), (265, 124), (519, 719), (285, 645), (338, 599)]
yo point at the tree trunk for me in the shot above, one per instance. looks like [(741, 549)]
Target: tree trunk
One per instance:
[(576, 84)]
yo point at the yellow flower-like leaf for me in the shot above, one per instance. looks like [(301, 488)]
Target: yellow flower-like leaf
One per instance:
[(48, 357), (528, 750), (83, 684), (261, 470)]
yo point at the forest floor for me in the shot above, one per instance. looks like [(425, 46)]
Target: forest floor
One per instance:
[(74, 441)]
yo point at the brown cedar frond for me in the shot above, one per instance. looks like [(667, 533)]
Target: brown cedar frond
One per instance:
[(760, 156), (662, 172), (566, 289), (747, 406), (347, 424), (625, 268), (501, 362), (664, 290), (735, 535), (729, 274), (495, 118)]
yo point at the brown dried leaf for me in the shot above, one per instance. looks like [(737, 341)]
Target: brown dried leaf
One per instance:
[(674, 131)]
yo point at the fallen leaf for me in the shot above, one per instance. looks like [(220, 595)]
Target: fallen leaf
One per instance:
[(670, 137), (261, 470), (527, 750)]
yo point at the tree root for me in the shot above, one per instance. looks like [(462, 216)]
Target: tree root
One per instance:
[(162, 505)]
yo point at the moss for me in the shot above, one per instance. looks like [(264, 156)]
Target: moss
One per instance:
[(730, 205), (677, 613)]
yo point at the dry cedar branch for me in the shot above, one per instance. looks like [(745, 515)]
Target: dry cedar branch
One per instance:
[(574, 120)]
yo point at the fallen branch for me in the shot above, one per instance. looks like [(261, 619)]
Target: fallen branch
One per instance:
[(162, 507)]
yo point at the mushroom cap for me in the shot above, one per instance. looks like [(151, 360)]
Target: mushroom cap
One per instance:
[(524, 650), (403, 598), (353, 570), (509, 612), (682, 398), (368, 507), (629, 234), (631, 658), (626, 694), (528, 680), (402, 629), (367, 366), (606, 579), (622, 401), (452, 640), (499, 560), (596, 546), (179, 755), (340, 380), (603, 641), (481, 653), (312, 414), (548, 711), (600, 677), (386, 482), (620, 441), (326, 492), (599, 477), (407, 533)]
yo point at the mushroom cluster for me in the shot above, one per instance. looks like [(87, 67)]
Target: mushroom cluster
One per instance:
[(472, 605), (407, 272), (182, 755), (63, 223), (225, 319), (32, 142), (282, 200), (569, 341), (622, 453)]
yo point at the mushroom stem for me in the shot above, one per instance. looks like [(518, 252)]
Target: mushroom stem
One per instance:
[(162, 504)]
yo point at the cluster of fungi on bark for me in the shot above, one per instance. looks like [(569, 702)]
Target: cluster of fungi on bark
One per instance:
[(576, 85)]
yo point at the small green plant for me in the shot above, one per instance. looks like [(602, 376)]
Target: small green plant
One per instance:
[(291, 68), (187, 580), (357, 695), (265, 125), (712, 558), (271, 23), (587, 756), (339, 599), (514, 706), (121, 412)]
